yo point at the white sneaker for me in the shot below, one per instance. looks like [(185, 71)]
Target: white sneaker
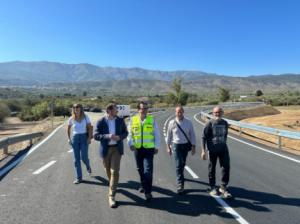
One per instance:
[(224, 192), (213, 191), (112, 202)]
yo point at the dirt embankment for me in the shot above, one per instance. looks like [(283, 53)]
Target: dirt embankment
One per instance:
[(14, 126), (287, 118), (240, 114)]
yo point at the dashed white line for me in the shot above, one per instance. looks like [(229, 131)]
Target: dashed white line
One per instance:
[(193, 174), (255, 146), (12, 165), (44, 167)]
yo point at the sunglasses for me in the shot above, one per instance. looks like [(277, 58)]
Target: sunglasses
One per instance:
[(76, 107)]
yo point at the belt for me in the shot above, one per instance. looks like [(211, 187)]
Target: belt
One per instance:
[(115, 145)]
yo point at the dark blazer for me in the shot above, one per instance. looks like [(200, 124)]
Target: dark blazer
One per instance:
[(102, 129)]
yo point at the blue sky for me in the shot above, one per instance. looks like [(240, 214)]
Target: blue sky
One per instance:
[(229, 37)]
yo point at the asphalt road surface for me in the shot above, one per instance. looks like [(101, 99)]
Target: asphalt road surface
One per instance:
[(266, 187)]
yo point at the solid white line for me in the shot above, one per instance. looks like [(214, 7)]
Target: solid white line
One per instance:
[(230, 210), (44, 167), (10, 166), (227, 208), (255, 146), (191, 172)]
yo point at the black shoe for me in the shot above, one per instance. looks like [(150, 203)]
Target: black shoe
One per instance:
[(148, 197)]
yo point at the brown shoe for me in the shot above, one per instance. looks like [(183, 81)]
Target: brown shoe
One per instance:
[(112, 202)]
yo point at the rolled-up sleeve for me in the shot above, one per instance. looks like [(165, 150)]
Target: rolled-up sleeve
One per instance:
[(170, 133), (129, 136)]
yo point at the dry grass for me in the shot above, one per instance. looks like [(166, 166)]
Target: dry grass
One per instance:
[(288, 119), (14, 126)]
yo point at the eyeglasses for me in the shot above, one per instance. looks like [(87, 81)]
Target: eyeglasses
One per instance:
[(217, 112), (76, 107)]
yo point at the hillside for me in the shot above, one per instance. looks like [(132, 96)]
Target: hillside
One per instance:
[(61, 77)]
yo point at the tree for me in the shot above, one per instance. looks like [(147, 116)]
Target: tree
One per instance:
[(224, 94), (4, 111), (258, 93), (183, 98), (177, 96)]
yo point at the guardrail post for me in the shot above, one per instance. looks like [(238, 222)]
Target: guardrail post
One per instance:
[(30, 141), (279, 142), (5, 150)]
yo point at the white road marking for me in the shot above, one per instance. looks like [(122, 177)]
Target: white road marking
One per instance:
[(70, 150), (255, 146), (227, 208), (230, 210), (191, 172), (12, 165), (44, 167)]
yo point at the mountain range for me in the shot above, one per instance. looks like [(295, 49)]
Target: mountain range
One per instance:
[(72, 77)]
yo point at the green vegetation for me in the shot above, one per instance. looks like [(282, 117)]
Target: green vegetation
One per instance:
[(32, 104)]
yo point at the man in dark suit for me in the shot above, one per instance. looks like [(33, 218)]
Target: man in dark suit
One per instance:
[(110, 131)]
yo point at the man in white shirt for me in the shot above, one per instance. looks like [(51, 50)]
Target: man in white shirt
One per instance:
[(180, 137), (110, 131)]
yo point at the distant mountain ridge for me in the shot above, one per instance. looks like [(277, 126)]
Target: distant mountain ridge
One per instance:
[(127, 80)]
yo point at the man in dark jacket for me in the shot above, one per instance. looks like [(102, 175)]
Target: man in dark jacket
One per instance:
[(214, 140), (110, 131)]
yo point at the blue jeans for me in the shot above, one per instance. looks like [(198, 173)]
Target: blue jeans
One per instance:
[(180, 154), (144, 163), (80, 151)]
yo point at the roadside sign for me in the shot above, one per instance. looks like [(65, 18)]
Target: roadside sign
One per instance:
[(123, 110)]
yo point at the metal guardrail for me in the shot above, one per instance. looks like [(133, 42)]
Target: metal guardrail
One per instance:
[(273, 131), (5, 142)]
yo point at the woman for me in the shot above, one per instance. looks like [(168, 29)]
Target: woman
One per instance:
[(80, 124)]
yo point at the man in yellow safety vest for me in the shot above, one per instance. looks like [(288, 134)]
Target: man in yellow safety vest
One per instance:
[(144, 141)]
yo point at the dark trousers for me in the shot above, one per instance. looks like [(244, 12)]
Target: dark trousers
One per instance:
[(224, 159), (180, 154), (144, 163)]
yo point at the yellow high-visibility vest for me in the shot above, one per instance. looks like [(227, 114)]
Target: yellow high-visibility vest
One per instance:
[(142, 134)]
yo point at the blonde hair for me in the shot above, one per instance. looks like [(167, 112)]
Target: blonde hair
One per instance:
[(81, 115)]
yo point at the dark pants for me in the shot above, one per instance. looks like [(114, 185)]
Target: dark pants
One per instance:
[(144, 163), (224, 159), (80, 151), (180, 154)]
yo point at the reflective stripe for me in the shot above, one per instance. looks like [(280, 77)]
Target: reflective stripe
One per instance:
[(143, 134)]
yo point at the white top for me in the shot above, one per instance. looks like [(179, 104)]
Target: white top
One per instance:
[(156, 134), (79, 127), (112, 129), (174, 134)]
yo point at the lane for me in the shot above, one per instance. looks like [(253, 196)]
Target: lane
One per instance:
[(50, 196), (266, 187)]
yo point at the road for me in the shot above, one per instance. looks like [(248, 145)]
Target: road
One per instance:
[(266, 187)]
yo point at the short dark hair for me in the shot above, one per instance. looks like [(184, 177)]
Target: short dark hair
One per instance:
[(141, 102), (110, 106)]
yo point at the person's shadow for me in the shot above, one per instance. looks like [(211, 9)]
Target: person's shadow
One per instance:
[(196, 201)]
